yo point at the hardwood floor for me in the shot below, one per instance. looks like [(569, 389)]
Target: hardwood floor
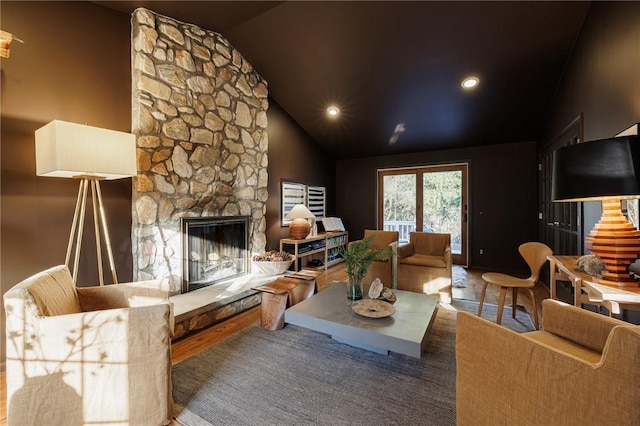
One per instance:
[(200, 341)]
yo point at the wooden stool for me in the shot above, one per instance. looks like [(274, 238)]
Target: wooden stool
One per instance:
[(280, 294)]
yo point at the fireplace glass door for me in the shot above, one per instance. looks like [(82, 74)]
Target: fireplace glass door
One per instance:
[(215, 249)]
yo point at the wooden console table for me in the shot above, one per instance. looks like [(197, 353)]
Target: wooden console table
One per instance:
[(326, 244), (563, 268), (613, 298)]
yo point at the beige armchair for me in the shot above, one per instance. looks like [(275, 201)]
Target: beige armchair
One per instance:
[(386, 269), (93, 355), (424, 264), (582, 368)]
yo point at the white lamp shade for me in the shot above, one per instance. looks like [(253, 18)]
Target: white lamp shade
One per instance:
[(69, 150), (299, 211)]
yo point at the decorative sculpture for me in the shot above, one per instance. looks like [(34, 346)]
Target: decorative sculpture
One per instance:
[(379, 291)]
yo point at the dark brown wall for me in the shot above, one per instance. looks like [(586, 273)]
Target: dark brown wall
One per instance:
[(74, 66), (293, 157), (602, 79), (503, 200)]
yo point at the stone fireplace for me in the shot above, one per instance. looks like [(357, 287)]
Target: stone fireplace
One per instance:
[(199, 115)]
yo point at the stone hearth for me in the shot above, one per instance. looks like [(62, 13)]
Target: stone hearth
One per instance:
[(210, 305)]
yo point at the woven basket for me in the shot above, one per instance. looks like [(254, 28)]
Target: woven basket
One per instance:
[(271, 268)]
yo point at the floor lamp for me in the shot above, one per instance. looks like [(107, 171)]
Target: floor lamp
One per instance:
[(89, 154), (606, 170)]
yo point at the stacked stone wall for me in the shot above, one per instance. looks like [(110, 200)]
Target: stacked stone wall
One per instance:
[(200, 118)]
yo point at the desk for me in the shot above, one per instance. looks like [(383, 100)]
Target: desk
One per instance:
[(613, 298)]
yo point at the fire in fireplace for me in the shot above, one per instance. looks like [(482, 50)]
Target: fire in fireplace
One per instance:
[(214, 249)]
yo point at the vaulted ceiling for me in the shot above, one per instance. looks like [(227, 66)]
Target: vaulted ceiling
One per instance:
[(385, 63)]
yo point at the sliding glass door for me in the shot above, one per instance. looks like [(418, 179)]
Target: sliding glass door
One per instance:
[(399, 199), (427, 199)]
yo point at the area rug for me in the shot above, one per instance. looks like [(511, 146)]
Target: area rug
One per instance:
[(522, 322), (295, 376), (458, 276)]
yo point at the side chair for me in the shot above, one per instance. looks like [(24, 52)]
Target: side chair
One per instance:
[(535, 254)]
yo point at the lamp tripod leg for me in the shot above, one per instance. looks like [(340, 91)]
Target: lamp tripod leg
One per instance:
[(96, 226), (77, 229), (84, 185), (74, 224), (105, 229)]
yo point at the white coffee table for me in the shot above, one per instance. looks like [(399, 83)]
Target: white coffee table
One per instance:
[(405, 331)]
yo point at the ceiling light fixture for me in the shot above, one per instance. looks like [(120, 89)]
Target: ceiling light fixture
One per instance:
[(470, 83), (333, 111)]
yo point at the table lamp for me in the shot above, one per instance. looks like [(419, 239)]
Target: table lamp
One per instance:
[(300, 227), (89, 154), (607, 170)]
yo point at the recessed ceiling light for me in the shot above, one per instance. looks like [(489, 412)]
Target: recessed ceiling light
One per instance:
[(333, 111), (470, 83)]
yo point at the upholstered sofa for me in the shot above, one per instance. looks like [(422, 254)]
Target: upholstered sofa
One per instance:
[(92, 355), (424, 264), (386, 269), (582, 368)]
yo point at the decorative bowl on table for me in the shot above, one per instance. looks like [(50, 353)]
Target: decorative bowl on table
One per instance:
[(272, 262)]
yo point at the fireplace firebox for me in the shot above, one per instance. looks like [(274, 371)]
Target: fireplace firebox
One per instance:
[(214, 249)]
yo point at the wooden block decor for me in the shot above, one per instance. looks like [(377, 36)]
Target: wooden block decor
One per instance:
[(279, 286), (279, 294), (272, 310), (303, 291)]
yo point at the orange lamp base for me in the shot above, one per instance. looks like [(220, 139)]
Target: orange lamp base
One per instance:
[(617, 243), (299, 229)]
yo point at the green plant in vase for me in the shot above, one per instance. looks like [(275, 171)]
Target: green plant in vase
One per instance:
[(357, 256)]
